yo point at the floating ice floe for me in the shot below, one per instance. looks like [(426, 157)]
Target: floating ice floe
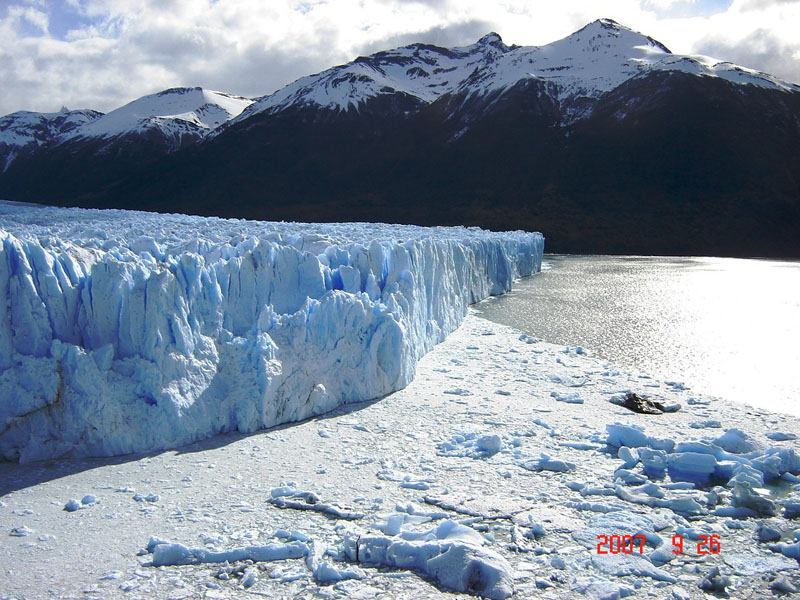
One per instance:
[(166, 553), (324, 571), (633, 436), (151, 497), (599, 588), (714, 581), (458, 392), (471, 445), (787, 549), (737, 441), (780, 436), (545, 463), (572, 398), (448, 554), (734, 457)]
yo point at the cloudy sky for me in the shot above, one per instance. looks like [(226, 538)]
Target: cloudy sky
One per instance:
[(103, 53)]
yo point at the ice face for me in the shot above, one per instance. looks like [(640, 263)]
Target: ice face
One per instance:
[(123, 332)]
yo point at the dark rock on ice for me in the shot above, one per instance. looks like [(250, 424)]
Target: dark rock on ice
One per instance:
[(643, 406)]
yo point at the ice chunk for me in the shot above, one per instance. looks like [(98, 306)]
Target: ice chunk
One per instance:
[(691, 466), (706, 424), (455, 565), (745, 564), (324, 572), (746, 474), (289, 497), (783, 584), (653, 461), (153, 542), (633, 436), (790, 550), (490, 444), (746, 497), (165, 553), (573, 398), (471, 445), (452, 531), (780, 436), (579, 445), (173, 554), (545, 463), (777, 461), (714, 581), (630, 456), (791, 507), (466, 569), (249, 577), (622, 522), (458, 392), (629, 477), (630, 564), (768, 533), (683, 505), (737, 442)]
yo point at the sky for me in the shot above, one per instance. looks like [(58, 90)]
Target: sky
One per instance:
[(101, 54)]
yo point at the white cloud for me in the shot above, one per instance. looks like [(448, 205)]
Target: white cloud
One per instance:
[(760, 4), (119, 50), (28, 20)]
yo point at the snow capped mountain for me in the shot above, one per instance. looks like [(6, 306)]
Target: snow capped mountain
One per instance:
[(174, 113), (25, 131), (171, 118), (569, 138), (588, 63), (585, 65)]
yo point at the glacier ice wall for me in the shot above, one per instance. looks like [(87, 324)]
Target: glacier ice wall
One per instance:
[(127, 332)]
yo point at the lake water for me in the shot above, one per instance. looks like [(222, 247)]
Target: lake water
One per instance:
[(723, 326)]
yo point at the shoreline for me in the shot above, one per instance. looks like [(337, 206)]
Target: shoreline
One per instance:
[(377, 457)]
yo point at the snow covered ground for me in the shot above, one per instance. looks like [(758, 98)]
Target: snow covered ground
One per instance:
[(490, 473)]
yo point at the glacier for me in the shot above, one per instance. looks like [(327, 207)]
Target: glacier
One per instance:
[(125, 331)]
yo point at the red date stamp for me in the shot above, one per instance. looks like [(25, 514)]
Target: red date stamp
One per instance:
[(627, 544)]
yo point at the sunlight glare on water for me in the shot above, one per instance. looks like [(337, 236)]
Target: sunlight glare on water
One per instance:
[(725, 327)]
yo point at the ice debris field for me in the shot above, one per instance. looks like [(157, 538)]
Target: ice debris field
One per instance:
[(125, 332), (507, 468)]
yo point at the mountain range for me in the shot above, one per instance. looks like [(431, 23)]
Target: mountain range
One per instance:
[(605, 141)]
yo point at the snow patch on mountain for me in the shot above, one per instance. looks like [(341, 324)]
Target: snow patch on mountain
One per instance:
[(177, 115), (25, 131), (124, 331), (174, 112), (590, 62)]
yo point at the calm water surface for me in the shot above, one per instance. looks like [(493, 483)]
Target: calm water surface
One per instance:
[(726, 327)]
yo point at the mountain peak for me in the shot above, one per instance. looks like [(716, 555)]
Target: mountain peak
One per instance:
[(490, 38), (493, 40), (608, 29), (606, 23)]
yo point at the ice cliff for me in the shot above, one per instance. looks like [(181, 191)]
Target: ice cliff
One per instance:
[(126, 332)]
